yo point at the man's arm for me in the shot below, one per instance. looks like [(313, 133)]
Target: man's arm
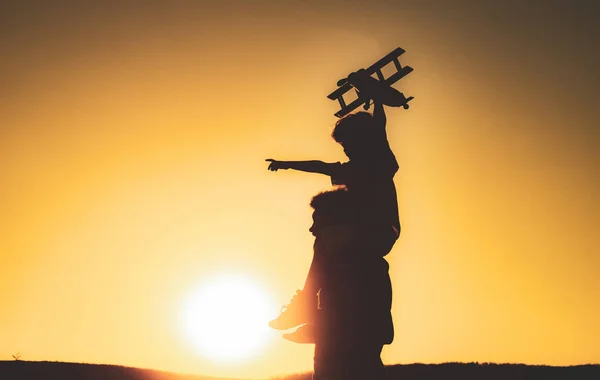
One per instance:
[(313, 166)]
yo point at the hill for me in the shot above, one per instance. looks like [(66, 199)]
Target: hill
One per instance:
[(23, 370)]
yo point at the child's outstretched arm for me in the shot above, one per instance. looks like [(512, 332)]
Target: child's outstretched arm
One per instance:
[(313, 166)]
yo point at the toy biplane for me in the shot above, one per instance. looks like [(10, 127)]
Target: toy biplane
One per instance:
[(344, 86)]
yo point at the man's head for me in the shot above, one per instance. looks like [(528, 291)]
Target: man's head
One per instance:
[(331, 207), (354, 132)]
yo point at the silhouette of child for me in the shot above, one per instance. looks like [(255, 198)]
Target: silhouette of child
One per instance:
[(368, 175)]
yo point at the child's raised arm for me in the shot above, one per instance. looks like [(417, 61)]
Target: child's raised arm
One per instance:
[(313, 166), (379, 119), (378, 91)]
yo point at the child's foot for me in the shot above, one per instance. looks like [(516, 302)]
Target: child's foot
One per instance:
[(304, 334), (294, 314)]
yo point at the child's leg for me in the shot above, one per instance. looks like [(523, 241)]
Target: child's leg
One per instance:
[(303, 306), (332, 246), (314, 278)]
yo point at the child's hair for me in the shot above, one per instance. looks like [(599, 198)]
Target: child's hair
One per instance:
[(335, 205), (352, 127)]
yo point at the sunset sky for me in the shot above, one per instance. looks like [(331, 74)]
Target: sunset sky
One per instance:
[(132, 144)]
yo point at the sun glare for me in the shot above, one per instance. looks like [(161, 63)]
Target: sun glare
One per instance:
[(226, 318)]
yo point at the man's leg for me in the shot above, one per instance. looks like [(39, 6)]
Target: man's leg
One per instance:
[(348, 363), (327, 350), (366, 363)]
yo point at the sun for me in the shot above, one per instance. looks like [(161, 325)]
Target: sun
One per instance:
[(226, 318)]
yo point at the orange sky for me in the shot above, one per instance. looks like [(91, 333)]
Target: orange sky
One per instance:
[(132, 147)]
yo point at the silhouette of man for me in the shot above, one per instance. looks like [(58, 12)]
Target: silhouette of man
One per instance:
[(353, 320)]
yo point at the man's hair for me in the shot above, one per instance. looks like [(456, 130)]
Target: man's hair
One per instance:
[(353, 126), (335, 204)]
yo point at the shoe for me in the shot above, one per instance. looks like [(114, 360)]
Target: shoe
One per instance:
[(304, 334), (294, 314)]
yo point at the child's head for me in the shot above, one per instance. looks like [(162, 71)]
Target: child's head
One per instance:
[(331, 208), (354, 133)]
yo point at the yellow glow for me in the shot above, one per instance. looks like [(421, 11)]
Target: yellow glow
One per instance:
[(132, 147), (226, 318)]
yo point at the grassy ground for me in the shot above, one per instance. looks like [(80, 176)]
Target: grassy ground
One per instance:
[(24, 370)]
